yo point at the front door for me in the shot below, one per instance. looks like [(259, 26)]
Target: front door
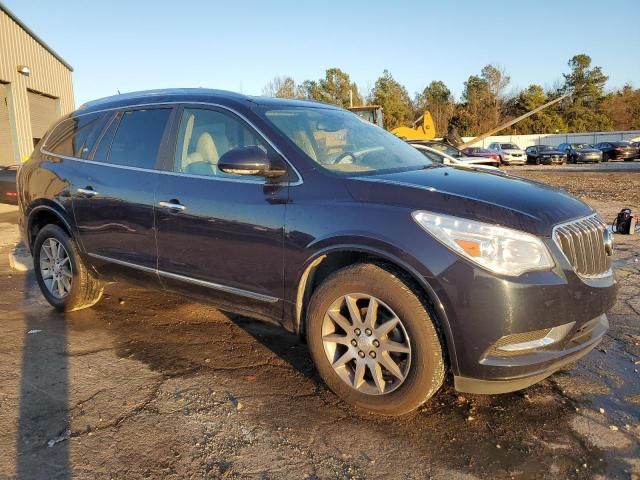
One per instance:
[(114, 199), (220, 235)]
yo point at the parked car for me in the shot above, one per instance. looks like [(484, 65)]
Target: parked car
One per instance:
[(8, 193), (545, 155), (438, 156), (637, 147), (509, 153), (617, 151), (395, 270), (494, 158), (580, 152), (441, 146)]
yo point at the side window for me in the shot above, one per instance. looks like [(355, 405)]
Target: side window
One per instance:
[(102, 150), (74, 137), (204, 136), (136, 142)]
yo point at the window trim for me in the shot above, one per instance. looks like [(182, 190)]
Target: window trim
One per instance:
[(289, 183)]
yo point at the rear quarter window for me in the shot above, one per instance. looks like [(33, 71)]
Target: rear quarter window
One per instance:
[(75, 137)]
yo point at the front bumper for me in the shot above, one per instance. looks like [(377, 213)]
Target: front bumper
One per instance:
[(545, 361), (514, 160), (588, 157), (482, 309), (555, 160)]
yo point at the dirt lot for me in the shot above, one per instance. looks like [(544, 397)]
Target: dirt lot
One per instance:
[(155, 386)]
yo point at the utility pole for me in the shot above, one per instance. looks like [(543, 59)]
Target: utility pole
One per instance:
[(511, 122)]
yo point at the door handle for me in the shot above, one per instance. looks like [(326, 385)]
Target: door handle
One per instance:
[(172, 205), (88, 191)]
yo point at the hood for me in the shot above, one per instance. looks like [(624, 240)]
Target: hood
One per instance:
[(477, 195), (511, 151), (552, 152), (586, 150)]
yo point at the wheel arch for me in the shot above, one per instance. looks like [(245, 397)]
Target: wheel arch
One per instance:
[(45, 214), (330, 259)]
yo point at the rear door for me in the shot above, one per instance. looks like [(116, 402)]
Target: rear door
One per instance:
[(220, 235), (114, 200)]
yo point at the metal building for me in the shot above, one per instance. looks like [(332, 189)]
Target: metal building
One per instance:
[(35, 88)]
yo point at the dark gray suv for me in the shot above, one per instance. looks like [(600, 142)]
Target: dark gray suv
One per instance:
[(396, 271)]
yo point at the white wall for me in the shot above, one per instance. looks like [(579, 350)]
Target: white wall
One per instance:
[(524, 141)]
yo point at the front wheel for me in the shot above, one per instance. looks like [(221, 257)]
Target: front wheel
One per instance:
[(374, 341), (63, 279)]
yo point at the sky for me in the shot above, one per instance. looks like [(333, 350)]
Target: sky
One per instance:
[(241, 45)]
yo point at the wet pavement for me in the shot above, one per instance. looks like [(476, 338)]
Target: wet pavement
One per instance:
[(148, 385)]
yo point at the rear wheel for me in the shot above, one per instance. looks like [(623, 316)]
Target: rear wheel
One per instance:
[(63, 279), (373, 340)]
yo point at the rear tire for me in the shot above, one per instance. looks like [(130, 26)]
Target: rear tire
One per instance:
[(422, 363), (77, 287)]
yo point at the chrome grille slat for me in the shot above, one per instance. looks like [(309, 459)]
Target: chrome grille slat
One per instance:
[(582, 242)]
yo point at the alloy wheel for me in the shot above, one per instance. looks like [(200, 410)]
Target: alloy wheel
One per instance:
[(55, 268), (366, 344)]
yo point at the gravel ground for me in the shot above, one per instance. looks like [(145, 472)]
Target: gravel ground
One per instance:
[(156, 386)]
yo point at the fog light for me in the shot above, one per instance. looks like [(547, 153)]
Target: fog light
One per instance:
[(519, 342)]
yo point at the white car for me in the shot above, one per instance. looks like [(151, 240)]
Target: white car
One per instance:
[(439, 156), (510, 153)]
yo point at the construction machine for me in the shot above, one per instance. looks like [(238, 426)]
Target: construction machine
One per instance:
[(370, 113), (424, 129), (421, 129)]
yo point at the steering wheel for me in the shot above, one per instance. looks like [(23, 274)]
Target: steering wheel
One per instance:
[(342, 157)]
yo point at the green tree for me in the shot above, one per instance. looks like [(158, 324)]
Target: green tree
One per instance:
[(282, 87), (437, 99), (585, 110), (477, 100), (623, 108), (547, 120), (394, 100), (336, 87)]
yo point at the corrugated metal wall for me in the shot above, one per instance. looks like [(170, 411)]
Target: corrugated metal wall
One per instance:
[(555, 139), (6, 146), (48, 76)]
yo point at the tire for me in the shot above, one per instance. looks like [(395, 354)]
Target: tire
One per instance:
[(85, 290), (423, 372), (605, 157)]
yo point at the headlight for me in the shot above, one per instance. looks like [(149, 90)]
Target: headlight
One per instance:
[(498, 249)]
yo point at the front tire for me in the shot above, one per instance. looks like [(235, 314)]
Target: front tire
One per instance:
[(64, 280), (374, 341)]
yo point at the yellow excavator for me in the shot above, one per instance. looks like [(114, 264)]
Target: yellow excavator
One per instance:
[(421, 129), (424, 129)]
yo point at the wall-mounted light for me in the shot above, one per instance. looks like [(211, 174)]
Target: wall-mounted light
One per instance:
[(24, 70)]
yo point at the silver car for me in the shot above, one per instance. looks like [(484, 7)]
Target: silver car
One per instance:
[(510, 153)]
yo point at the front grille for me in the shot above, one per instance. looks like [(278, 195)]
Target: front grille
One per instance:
[(582, 242)]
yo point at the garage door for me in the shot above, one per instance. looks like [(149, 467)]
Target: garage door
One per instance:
[(6, 146), (43, 112)]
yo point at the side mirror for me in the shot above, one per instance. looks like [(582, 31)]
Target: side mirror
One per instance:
[(251, 160)]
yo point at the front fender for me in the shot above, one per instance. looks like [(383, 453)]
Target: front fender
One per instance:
[(377, 248)]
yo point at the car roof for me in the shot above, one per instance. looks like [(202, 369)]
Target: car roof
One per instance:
[(195, 95)]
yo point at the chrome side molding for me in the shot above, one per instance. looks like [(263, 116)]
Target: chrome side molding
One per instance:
[(195, 281)]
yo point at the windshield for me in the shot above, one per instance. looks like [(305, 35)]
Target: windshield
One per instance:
[(443, 147), (342, 143), (542, 148), (580, 145), (509, 146)]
